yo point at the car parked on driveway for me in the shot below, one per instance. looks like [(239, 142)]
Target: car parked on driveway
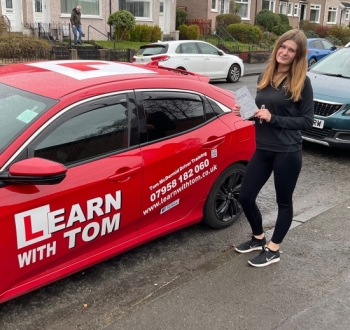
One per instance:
[(195, 56), (99, 157), (318, 48), (330, 79)]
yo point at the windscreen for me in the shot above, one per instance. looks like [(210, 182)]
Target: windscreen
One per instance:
[(18, 110)]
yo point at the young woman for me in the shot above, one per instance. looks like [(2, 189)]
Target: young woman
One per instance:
[(285, 99)]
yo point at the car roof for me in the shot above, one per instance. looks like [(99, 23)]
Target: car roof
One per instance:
[(55, 79)]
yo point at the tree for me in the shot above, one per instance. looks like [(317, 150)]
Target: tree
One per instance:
[(123, 22)]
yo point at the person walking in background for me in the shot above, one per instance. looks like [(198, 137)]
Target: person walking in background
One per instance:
[(75, 20), (285, 99)]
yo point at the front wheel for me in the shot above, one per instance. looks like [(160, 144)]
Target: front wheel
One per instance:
[(222, 208), (234, 73)]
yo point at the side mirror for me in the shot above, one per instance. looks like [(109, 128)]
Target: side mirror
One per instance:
[(35, 171)]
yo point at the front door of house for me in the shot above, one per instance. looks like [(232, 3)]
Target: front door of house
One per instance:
[(164, 16), (41, 11), (12, 10)]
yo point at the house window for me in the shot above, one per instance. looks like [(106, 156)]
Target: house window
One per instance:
[(244, 6), (332, 15), (296, 9), (315, 13), (290, 9), (269, 4), (347, 14), (283, 8), (140, 9), (214, 4), (222, 7), (88, 7)]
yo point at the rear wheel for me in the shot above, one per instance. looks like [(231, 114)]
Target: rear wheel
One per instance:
[(222, 208), (234, 73), (312, 61)]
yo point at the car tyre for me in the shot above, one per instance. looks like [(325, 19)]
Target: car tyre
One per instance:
[(234, 73), (222, 208), (312, 61)]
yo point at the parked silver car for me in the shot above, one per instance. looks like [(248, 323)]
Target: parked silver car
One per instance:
[(195, 56)]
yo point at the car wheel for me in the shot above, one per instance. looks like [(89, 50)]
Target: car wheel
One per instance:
[(312, 61), (234, 73), (222, 208)]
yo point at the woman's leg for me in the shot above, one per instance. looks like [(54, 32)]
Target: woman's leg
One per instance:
[(286, 171), (258, 172)]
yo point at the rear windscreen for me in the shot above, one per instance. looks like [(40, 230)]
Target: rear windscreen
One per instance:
[(151, 50)]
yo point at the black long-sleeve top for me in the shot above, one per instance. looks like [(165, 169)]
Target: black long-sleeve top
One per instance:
[(282, 133)]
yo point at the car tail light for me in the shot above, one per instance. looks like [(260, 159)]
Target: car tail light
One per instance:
[(308, 50), (134, 59), (160, 58)]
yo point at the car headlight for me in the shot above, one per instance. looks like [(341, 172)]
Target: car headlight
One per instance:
[(347, 113)]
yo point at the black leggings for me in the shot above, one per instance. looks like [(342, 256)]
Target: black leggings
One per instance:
[(286, 167)]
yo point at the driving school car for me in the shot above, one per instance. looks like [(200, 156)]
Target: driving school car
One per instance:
[(99, 157)]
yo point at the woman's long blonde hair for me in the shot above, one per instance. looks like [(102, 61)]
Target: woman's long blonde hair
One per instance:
[(295, 76)]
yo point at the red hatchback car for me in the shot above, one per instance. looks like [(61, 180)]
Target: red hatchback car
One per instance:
[(99, 157)]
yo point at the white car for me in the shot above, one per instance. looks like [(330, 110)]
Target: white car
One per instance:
[(195, 56)]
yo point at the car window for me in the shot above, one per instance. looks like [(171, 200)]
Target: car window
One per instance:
[(151, 50), (189, 48), (169, 113), (88, 134), (317, 44), (327, 44), (18, 110), (207, 49)]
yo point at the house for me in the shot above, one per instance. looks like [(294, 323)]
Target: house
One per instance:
[(53, 16), (324, 12)]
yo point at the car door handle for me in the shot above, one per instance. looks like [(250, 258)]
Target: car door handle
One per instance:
[(124, 174), (215, 142)]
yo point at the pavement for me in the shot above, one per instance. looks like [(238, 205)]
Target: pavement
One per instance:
[(308, 289)]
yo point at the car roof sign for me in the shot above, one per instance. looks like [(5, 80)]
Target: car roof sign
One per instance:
[(89, 69)]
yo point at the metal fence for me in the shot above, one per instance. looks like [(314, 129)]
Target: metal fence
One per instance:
[(9, 56)]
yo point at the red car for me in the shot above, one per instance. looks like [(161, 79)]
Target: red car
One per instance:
[(99, 157)]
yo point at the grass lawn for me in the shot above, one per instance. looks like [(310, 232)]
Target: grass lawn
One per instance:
[(122, 44)]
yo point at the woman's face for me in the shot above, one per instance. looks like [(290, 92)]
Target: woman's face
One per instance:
[(286, 53)]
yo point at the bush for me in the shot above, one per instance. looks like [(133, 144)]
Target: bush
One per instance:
[(245, 33), (334, 40), (339, 32), (284, 19), (190, 32), (146, 33), (23, 46), (122, 21), (156, 33), (183, 32), (322, 31), (181, 16), (280, 29), (193, 32), (311, 34), (4, 27), (226, 19), (267, 19), (308, 26)]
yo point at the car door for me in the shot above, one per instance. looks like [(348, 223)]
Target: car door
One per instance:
[(192, 59), (328, 47), (215, 65), (180, 161), (66, 226)]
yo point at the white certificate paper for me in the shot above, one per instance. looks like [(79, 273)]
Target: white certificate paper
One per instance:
[(247, 103)]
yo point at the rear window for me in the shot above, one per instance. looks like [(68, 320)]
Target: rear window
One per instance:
[(150, 50)]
